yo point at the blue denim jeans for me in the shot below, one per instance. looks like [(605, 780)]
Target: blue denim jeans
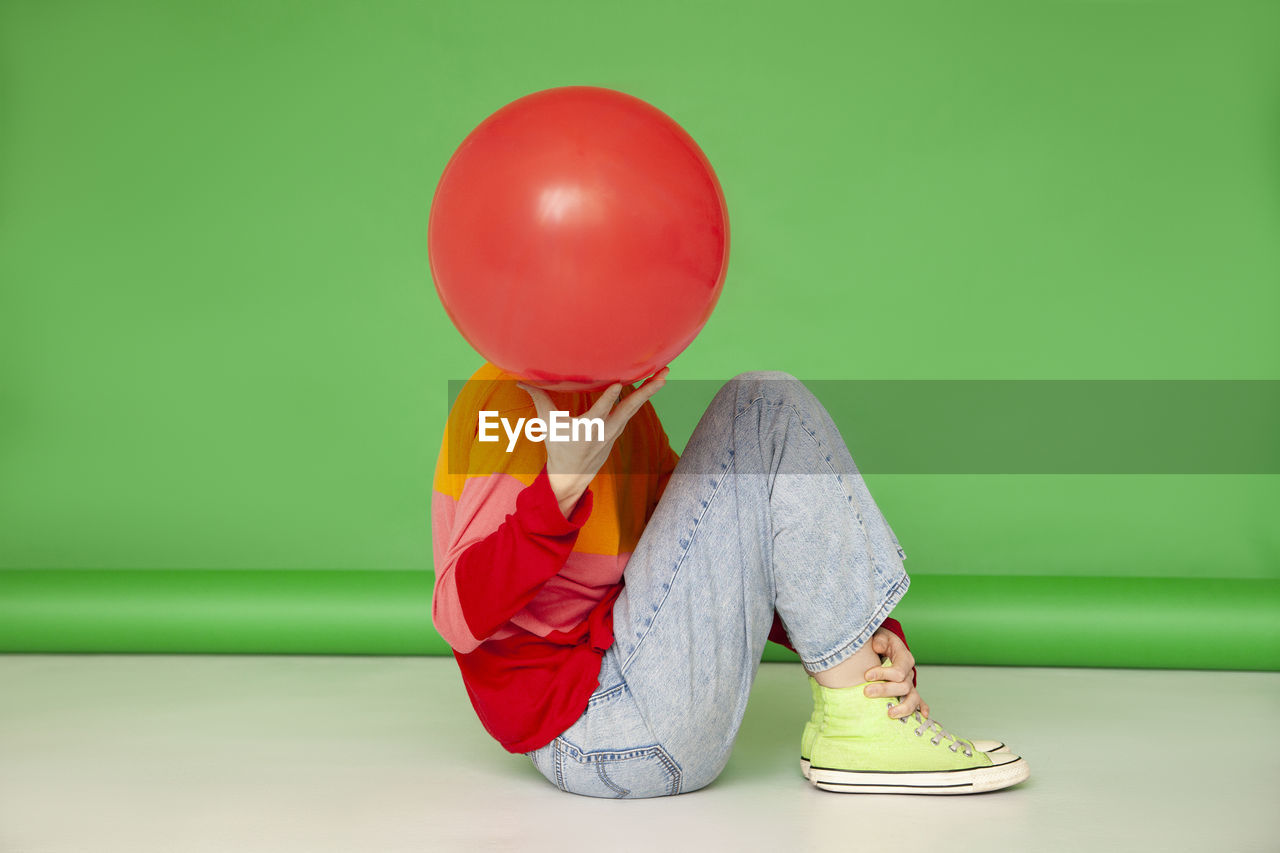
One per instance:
[(765, 511)]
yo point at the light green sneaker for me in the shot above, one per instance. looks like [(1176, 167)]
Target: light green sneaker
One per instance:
[(814, 725), (859, 749)]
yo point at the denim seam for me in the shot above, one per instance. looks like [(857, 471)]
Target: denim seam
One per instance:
[(602, 757), (591, 756), (697, 522), (558, 758), (622, 792), (857, 507), (849, 497), (605, 695), (672, 767), (684, 552), (891, 598), (894, 594)]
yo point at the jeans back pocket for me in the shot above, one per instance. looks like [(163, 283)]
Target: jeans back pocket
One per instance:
[(644, 771)]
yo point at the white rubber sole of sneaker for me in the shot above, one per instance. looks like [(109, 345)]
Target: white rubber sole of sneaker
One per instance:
[(987, 746), (973, 780)]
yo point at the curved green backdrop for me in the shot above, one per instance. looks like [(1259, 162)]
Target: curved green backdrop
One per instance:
[(224, 370)]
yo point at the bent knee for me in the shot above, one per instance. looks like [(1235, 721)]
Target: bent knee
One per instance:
[(751, 376), (776, 386)]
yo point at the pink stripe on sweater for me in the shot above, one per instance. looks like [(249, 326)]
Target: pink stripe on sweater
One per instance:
[(562, 603)]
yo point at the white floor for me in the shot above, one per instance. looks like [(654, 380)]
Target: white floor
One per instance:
[(173, 753)]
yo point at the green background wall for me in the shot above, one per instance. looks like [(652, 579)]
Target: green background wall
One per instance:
[(223, 368)]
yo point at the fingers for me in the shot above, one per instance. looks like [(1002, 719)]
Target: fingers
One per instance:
[(907, 706), (648, 388), (533, 392), (924, 709), (897, 672), (906, 661), (628, 407), (887, 688), (900, 658), (541, 400), (659, 374), (604, 405)]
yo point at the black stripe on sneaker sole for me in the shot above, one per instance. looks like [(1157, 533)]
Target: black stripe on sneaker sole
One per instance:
[(899, 785), (892, 772)]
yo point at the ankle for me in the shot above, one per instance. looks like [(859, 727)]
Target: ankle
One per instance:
[(850, 672)]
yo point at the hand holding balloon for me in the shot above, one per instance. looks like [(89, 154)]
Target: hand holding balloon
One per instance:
[(572, 465)]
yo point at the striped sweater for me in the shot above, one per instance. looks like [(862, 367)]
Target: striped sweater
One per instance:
[(523, 595)]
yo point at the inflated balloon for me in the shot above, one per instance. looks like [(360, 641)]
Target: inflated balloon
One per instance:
[(579, 237)]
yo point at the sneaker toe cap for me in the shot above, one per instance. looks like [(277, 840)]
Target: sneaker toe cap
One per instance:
[(990, 745), (999, 758)]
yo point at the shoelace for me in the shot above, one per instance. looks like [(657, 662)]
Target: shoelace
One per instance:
[(925, 725)]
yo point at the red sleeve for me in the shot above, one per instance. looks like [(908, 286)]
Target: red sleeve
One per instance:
[(497, 576), (778, 634)]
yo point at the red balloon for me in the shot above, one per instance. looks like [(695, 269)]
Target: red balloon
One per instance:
[(579, 237)]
